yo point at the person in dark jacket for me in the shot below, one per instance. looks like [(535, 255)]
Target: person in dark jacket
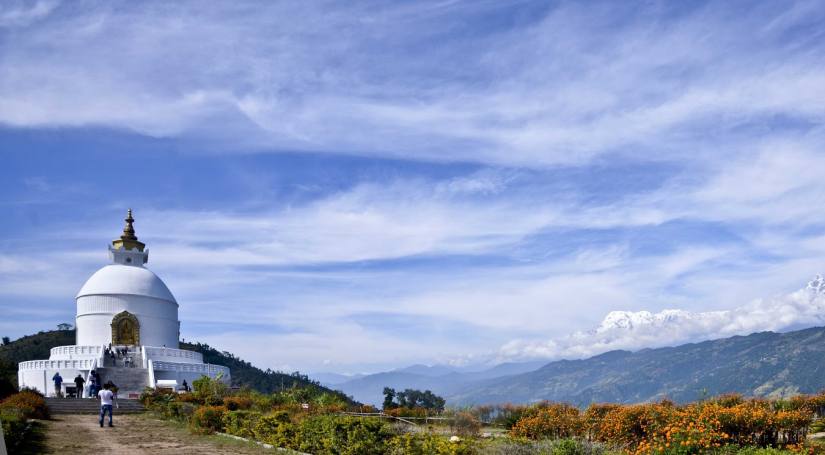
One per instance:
[(78, 382), (58, 382)]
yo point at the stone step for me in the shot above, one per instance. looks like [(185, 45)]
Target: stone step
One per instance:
[(90, 406), (128, 380)]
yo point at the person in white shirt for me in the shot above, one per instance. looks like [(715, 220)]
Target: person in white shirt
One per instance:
[(106, 399)]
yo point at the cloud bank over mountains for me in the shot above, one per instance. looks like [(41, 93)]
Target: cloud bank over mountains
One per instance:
[(630, 330)]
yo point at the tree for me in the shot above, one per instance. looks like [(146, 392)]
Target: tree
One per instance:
[(432, 401), (64, 326), (6, 340), (411, 398), (389, 396)]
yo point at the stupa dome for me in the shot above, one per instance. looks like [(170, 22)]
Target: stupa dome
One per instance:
[(116, 279)]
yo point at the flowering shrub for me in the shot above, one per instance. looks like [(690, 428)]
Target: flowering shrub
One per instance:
[(236, 403), (240, 423), (594, 418), (628, 426), (208, 419), (665, 428), (332, 435), (26, 404), (550, 421), (275, 429), (190, 398)]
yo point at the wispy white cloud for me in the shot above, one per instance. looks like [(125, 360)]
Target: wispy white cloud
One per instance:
[(578, 83), (16, 14)]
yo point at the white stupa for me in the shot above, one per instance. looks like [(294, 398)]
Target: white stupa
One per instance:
[(123, 306)]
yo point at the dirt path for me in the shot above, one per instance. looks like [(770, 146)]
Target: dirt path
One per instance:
[(136, 434)]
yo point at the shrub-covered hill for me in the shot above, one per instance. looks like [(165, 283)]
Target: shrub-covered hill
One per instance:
[(30, 347), (37, 346), (244, 374)]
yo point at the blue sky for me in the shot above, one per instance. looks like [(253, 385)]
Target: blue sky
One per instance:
[(351, 186)]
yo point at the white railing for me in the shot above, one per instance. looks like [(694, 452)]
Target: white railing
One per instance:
[(73, 352), (76, 364), (202, 368), (171, 355)]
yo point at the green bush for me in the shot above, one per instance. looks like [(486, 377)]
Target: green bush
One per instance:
[(262, 403), (172, 410), (427, 444), (187, 410), (14, 431), (241, 423), (737, 450), (153, 397), (568, 447), (524, 446), (208, 419), (210, 391), (333, 435), (464, 424), (275, 429)]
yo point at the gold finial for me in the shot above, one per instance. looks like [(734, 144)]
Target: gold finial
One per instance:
[(129, 230), (128, 240)]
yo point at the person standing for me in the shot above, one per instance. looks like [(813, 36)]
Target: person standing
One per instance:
[(58, 382), (93, 385), (78, 382), (106, 400)]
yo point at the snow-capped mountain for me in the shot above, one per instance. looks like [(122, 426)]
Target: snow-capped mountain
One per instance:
[(644, 329), (817, 285)]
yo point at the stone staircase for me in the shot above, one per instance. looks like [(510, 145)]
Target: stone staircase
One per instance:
[(90, 406), (134, 356), (129, 381)]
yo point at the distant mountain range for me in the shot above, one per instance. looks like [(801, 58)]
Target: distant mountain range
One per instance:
[(441, 379), (760, 364)]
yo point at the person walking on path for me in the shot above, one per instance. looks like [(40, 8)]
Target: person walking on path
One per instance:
[(78, 382), (106, 399), (58, 381)]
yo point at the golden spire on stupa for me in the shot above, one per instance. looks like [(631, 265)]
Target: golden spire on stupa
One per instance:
[(128, 240)]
